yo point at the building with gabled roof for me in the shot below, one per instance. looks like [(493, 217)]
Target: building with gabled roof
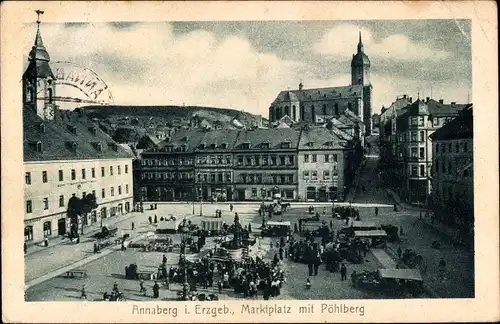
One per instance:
[(408, 168), (66, 154)]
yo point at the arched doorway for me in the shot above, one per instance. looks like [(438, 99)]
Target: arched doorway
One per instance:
[(61, 226), (322, 194), (311, 193)]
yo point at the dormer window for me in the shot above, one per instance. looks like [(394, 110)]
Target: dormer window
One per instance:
[(42, 128), (285, 145), (183, 148), (310, 144), (114, 146), (39, 147), (223, 146), (265, 145), (72, 146), (213, 146), (245, 145), (72, 129), (202, 146), (93, 131), (98, 146)]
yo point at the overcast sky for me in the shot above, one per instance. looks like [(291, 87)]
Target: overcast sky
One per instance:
[(244, 65)]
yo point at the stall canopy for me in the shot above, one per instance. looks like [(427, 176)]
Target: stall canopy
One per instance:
[(364, 224), (405, 274), (370, 233), (287, 223)]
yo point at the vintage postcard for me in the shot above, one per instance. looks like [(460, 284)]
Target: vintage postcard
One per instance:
[(249, 161)]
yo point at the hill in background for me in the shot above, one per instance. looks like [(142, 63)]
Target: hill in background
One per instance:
[(126, 124)]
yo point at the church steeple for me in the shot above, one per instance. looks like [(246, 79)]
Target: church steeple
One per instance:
[(38, 79), (360, 44)]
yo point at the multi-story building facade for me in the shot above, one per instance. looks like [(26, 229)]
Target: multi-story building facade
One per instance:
[(413, 148), (265, 162), (168, 170), (66, 155), (321, 164), (214, 165), (453, 170), (248, 165), (310, 104)]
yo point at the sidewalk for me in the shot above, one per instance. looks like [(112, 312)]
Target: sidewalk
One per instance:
[(89, 231), (351, 195)]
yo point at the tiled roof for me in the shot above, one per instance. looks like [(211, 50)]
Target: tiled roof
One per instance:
[(274, 137), (438, 109), (352, 116), (57, 139), (460, 127), (218, 140), (320, 138), (418, 108), (320, 93), (190, 139)]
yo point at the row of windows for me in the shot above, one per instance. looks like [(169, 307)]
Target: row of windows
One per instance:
[(270, 179), (45, 177), (327, 158), (280, 112), (413, 136), (441, 167), (436, 121), (214, 159), (268, 193), (313, 175), (62, 198), (459, 147), (167, 176), (258, 160), (165, 162)]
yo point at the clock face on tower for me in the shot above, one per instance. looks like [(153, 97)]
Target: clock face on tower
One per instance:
[(49, 113)]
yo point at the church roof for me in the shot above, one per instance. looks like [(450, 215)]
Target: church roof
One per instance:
[(57, 137), (39, 59), (360, 59), (320, 93)]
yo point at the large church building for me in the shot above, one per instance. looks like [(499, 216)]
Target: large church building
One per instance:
[(320, 104)]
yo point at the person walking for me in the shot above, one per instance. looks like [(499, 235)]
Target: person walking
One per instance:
[(156, 290), (442, 269), (142, 289), (83, 293), (376, 211), (343, 272), (156, 219), (150, 220), (133, 226), (164, 260), (231, 208)]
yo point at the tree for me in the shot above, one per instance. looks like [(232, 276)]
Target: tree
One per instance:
[(89, 203), (80, 207)]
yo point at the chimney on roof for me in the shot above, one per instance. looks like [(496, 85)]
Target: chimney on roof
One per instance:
[(301, 85), (453, 103), (441, 101), (404, 96), (411, 99), (427, 99)]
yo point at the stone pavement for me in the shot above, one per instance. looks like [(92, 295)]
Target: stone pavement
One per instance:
[(419, 236)]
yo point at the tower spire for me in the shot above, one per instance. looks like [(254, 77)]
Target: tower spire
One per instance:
[(360, 44)]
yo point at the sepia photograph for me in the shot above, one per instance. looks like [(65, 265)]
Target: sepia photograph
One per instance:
[(170, 162)]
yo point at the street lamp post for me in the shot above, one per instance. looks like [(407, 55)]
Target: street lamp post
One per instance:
[(184, 239), (263, 194), (201, 202)]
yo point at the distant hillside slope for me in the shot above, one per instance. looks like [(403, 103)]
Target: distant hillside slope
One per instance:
[(128, 123), (170, 112)]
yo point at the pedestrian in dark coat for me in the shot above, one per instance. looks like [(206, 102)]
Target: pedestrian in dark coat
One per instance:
[(343, 272), (150, 220), (376, 211), (133, 226), (156, 290), (281, 253), (156, 219)]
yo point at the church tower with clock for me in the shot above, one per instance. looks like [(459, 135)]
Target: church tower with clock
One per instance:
[(39, 84)]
